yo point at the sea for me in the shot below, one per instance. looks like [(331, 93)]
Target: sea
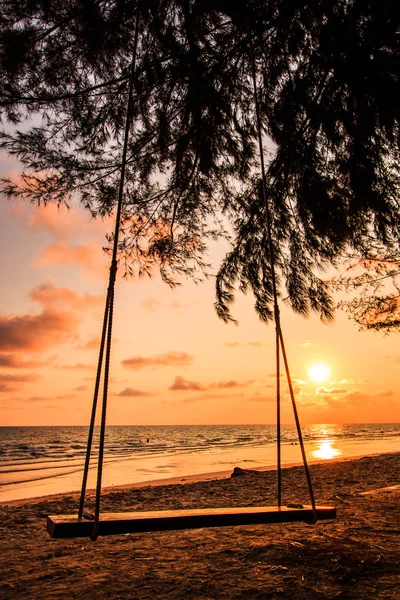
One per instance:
[(38, 461)]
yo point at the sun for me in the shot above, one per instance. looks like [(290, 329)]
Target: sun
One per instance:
[(319, 373)]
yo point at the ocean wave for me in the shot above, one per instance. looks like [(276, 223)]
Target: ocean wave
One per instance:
[(37, 444)]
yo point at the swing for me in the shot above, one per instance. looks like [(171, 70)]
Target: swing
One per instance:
[(88, 525)]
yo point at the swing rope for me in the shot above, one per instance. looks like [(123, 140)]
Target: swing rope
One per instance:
[(106, 336), (279, 342)]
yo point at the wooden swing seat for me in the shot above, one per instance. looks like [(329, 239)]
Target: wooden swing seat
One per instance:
[(71, 526)]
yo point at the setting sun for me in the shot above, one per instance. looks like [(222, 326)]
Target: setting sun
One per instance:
[(326, 451), (319, 373)]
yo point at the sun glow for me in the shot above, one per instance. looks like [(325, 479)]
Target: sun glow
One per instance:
[(326, 451), (319, 373)]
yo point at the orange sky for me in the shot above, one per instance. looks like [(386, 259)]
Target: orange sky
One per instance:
[(173, 361)]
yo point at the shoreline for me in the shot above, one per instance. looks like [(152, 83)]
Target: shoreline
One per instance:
[(193, 478), (226, 474), (173, 458)]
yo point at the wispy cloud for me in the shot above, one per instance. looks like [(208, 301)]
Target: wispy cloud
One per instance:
[(333, 391), (263, 398), (14, 377), (160, 360), (231, 384), (60, 223), (181, 384), (254, 344), (13, 361), (89, 256), (5, 387), (76, 366), (208, 397), (12, 382), (91, 344), (130, 392), (150, 304), (49, 295), (359, 400)]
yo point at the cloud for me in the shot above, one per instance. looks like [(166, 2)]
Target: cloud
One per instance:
[(36, 332), (49, 295), (63, 225), (206, 397), (54, 325), (64, 253), (51, 218), (386, 394), (12, 361), (80, 388), (181, 384), (160, 360), (46, 398), (150, 304), (334, 391), (77, 366), (263, 398), (300, 382), (59, 222), (235, 344), (129, 392), (92, 344), (13, 378), (232, 384), (4, 387), (357, 399), (342, 382)]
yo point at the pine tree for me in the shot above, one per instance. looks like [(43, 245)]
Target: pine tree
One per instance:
[(328, 90)]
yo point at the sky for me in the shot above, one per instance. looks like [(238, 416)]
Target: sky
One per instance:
[(173, 360)]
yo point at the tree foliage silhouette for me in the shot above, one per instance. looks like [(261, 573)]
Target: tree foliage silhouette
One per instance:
[(329, 91), (373, 284)]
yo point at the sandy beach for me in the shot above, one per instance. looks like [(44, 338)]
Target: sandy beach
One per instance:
[(357, 556)]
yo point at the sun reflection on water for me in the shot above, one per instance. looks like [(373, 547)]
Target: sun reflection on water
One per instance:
[(326, 451)]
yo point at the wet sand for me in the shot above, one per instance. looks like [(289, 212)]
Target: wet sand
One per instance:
[(357, 556)]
